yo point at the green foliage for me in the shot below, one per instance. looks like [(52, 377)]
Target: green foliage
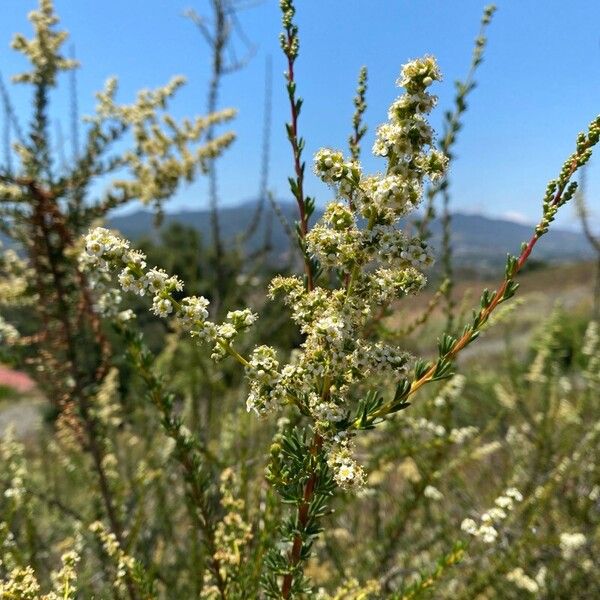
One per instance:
[(308, 467)]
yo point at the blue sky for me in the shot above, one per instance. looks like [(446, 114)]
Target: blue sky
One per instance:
[(539, 85)]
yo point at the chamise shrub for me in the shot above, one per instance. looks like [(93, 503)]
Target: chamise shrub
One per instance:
[(282, 442)]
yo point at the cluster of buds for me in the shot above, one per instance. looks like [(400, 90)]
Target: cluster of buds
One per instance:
[(346, 471), (106, 254), (405, 141)]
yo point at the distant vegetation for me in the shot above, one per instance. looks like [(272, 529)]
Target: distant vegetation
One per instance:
[(479, 242)]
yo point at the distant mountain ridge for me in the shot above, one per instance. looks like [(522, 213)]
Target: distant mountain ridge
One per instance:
[(478, 242)]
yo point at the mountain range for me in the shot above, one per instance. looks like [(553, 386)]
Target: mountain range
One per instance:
[(478, 242)]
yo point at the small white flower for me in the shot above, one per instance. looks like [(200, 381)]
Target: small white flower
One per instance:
[(570, 543), (226, 331), (139, 287), (95, 248), (514, 494), (504, 502), (494, 514), (156, 279), (487, 533), (161, 307), (469, 526), (241, 319), (127, 280), (345, 472), (523, 581), (136, 258), (432, 493)]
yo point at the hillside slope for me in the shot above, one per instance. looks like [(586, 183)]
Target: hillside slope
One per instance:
[(479, 242)]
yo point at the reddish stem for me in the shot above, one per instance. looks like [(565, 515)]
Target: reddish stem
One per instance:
[(497, 298), (297, 160), (302, 520)]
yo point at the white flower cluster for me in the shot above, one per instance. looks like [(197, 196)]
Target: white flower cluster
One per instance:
[(486, 530), (8, 333), (570, 543), (14, 467), (43, 49), (385, 285), (486, 450), (393, 247), (331, 167), (15, 275), (424, 430), (358, 240), (333, 349), (225, 334), (263, 375), (323, 411), (405, 141), (519, 437), (165, 152), (65, 579), (21, 582), (432, 493), (591, 339), (106, 253), (525, 582), (335, 240), (451, 391), (410, 104), (460, 435), (346, 471), (396, 192), (419, 74), (405, 137), (379, 359), (193, 310)]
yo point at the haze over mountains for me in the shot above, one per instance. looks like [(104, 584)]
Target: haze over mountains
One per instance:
[(479, 242)]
